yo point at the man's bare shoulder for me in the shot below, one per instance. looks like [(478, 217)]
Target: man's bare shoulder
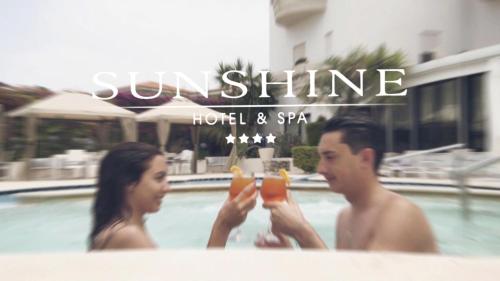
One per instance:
[(398, 203), (403, 212), (343, 217), (344, 212), (403, 226)]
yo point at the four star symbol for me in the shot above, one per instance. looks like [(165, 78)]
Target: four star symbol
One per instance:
[(243, 139), (256, 139), (270, 138), (230, 138)]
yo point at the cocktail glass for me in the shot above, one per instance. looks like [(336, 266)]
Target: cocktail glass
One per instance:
[(238, 184), (274, 189)]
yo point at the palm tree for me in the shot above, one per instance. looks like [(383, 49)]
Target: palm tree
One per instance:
[(380, 58), (253, 82)]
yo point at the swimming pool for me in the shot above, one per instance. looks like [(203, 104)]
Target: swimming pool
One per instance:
[(185, 221)]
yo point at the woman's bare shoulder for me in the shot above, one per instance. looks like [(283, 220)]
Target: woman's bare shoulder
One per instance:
[(123, 236)]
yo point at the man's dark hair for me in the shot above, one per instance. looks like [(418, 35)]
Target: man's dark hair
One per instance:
[(358, 132)]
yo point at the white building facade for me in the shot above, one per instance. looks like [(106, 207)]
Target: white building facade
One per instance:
[(452, 48)]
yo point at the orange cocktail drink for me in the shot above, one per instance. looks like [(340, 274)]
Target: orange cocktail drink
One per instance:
[(238, 184), (273, 189)]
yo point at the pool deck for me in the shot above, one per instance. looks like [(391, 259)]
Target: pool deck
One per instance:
[(242, 265), (202, 182)]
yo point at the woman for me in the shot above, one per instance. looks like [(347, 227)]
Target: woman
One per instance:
[(132, 182)]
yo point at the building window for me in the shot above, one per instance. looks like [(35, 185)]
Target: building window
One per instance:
[(438, 108), (430, 41), (328, 44), (402, 127), (299, 53), (426, 56), (439, 114), (476, 117)]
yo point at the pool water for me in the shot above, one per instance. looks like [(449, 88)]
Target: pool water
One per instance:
[(185, 222)]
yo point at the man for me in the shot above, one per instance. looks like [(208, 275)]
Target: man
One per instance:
[(351, 150)]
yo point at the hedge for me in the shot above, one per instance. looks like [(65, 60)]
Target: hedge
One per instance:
[(305, 158)]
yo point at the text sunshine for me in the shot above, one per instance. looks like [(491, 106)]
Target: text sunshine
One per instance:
[(98, 80)]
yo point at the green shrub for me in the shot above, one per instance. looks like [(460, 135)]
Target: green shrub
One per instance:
[(285, 142), (305, 158), (314, 131)]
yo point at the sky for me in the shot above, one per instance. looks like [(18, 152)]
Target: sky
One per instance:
[(63, 44)]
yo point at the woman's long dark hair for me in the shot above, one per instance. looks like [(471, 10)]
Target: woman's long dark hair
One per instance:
[(122, 166)]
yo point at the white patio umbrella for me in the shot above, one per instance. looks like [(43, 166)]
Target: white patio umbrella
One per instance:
[(181, 110), (73, 106)]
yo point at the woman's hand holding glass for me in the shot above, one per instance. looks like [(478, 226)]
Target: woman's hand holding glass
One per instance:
[(234, 211), (232, 214), (242, 198)]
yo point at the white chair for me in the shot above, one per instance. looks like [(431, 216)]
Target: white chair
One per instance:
[(183, 161), (40, 168), (216, 164), (4, 171), (92, 164), (75, 162), (171, 162)]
